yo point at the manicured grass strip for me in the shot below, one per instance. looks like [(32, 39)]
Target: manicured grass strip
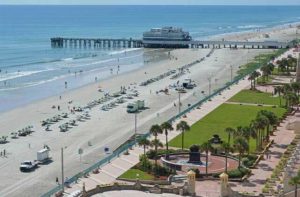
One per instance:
[(227, 115), (256, 97), (131, 174), (258, 61)]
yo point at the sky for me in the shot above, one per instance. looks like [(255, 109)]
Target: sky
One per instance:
[(154, 2)]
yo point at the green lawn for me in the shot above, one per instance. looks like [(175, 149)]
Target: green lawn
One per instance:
[(249, 96), (131, 174), (227, 115)]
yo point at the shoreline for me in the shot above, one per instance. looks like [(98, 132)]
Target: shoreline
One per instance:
[(227, 36), (106, 128)]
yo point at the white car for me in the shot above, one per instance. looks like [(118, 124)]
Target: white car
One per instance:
[(28, 166)]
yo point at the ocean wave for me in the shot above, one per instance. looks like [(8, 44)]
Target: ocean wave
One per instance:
[(103, 61), (124, 51), (250, 26), (14, 75), (68, 59)]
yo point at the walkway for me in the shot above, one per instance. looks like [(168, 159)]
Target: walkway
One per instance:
[(249, 104), (111, 171)]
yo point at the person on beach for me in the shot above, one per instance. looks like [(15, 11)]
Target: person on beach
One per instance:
[(66, 84), (59, 97), (58, 107), (4, 152), (56, 180)]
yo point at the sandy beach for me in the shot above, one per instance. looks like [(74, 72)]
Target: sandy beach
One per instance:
[(111, 128)]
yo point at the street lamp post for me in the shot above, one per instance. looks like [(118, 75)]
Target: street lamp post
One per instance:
[(231, 73), (209, 86), (179, 103), (62, 170), (135, 126)]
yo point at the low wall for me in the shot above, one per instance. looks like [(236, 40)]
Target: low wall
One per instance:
[(148, 182), (137, 186)]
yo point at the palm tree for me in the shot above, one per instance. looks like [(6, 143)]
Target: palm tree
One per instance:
[(287, 89), (278, 90), (295, 181), (206, 147), (251, 78), (255, 126), (296, 87), (262, 122), (247, 133), (266, 71), (239, 131), (155, 130), (144, 142), (255, 75), (241, 145), (230, 131), (291, 99), (182, 126), (166, 126), (227, 148), (156, 143), (272, 119), (281, 66)]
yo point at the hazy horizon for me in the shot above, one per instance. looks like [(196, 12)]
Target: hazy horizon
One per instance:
[(150, 2)]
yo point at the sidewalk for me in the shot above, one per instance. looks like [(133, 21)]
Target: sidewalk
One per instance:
[(111, 171)]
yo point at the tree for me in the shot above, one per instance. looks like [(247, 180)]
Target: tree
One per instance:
[(253, 76), (230, 131), (155, 130), (183, 127), (206, 147), (295, 181), (255, 126), (239, 131), (227, 149), (266, 71), (240, 144), (278, 90), (291, 99), (166, 126), (281, 66), (271, 117), (262, 122), (144, 143), (295, 87), (156, 143), (247, 133)]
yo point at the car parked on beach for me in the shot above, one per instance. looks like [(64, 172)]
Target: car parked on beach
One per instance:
[(27, 166)]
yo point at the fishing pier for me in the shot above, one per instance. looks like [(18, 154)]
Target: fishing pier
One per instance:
[(60, 42)]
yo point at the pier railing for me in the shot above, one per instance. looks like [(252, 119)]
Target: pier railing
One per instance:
[(131, 143), (60, 42)]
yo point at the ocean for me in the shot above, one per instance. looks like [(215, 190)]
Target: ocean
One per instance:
[(31, 70)]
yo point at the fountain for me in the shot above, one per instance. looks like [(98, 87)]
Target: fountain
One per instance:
[(194, 155), (195, 160)]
